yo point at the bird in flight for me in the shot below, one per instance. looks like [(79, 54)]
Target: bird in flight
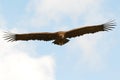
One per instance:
[(60, 37)]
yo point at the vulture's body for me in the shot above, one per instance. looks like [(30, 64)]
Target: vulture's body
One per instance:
[(60, 37)]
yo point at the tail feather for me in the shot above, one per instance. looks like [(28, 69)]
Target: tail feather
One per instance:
[(60, 41)]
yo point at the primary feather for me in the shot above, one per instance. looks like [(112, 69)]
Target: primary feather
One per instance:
[(60, 37)]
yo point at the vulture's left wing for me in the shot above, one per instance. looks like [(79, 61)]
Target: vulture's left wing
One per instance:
[(89, 29), (30, 36)]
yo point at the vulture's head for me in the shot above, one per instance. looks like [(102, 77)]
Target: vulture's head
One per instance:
[(61, 34)]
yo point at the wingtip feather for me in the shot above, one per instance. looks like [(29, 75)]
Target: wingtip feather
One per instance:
[(10, 37), (109, 25)]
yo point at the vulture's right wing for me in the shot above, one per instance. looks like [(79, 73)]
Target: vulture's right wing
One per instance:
[(30, 36)]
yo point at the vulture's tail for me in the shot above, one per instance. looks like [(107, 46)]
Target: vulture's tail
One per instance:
[(60, 41)]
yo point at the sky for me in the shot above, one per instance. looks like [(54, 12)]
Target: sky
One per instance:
[(88, 57)]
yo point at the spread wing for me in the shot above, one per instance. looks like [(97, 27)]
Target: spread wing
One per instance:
[(89, 29), (30, 36)]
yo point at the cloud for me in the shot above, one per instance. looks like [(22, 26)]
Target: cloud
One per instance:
[(91, 55), (90, 51), (15, 64), (70, 7), (44, 12)]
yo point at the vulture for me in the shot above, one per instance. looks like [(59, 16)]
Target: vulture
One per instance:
[(60, 37)]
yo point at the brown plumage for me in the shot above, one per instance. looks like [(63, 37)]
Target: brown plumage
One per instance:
[(60, 37)]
